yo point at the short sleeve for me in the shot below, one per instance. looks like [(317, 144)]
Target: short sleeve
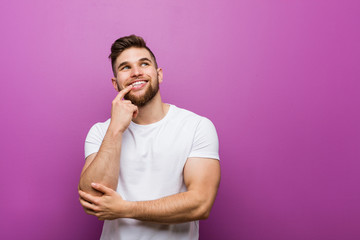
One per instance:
[(206, 143), (94, 139)]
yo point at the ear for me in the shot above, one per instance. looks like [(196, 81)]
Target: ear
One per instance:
[(114, 83), (160, 74)]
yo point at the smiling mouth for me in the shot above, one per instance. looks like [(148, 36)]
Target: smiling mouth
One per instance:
[(138, 83)]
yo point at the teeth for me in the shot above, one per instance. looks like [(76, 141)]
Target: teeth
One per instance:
[(138, 83)]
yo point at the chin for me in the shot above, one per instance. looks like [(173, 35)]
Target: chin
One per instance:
[(143, 99)]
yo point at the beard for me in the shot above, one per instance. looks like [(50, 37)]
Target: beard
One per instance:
[(142, 100)]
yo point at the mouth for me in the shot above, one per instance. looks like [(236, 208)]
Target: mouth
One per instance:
[(138, 84)]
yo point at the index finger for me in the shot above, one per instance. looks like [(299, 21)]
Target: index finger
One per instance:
[(122, 93), (101, 188)]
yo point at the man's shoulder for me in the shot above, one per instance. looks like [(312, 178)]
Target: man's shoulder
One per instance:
[(184, 113), (100, 127)]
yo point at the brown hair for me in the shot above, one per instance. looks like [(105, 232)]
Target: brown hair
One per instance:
[(124, 43)]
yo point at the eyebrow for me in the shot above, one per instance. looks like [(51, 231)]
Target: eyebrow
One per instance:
[(140, 60)]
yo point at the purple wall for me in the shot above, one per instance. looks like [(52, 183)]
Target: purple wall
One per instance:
[(279, 79)]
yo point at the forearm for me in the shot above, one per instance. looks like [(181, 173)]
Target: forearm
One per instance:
[(104, 168), (177, 208), (202, 178)]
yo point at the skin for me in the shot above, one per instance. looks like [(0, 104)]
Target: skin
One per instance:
[(99, 177)]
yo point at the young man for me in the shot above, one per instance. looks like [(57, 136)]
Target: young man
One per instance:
[(152, 169)]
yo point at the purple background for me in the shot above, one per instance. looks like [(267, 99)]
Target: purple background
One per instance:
[(279, 79)]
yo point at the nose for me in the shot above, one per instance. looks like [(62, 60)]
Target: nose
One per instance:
[(136, 71)]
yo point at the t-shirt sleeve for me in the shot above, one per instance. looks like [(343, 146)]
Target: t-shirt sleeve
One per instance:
[(94, 139), (206, 143)]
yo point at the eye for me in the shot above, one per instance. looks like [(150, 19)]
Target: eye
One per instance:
[(125, 68), (144, 64)]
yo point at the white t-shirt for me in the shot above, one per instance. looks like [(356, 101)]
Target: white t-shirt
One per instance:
[(151, 167)]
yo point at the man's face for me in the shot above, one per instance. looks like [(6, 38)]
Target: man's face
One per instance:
[(136, 67)]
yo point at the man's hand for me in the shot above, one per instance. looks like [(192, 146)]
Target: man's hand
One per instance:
[(106, 207), (122, 111)]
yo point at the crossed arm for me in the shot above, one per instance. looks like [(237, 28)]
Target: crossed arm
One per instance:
[(201, 177), (99, 178)]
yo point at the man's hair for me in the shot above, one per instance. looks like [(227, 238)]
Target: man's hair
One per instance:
[(124, 43)]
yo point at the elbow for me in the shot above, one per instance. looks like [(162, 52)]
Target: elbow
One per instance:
[(203, 215), (203, 211), (203, 207), (85, 186), (82, 184), (81, 187)]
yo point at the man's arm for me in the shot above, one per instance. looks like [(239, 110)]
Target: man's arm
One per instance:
[(202, 178), (103, 167)]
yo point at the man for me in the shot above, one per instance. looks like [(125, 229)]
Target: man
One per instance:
[(152, 169)]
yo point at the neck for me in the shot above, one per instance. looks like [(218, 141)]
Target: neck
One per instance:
[(152, 112)]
